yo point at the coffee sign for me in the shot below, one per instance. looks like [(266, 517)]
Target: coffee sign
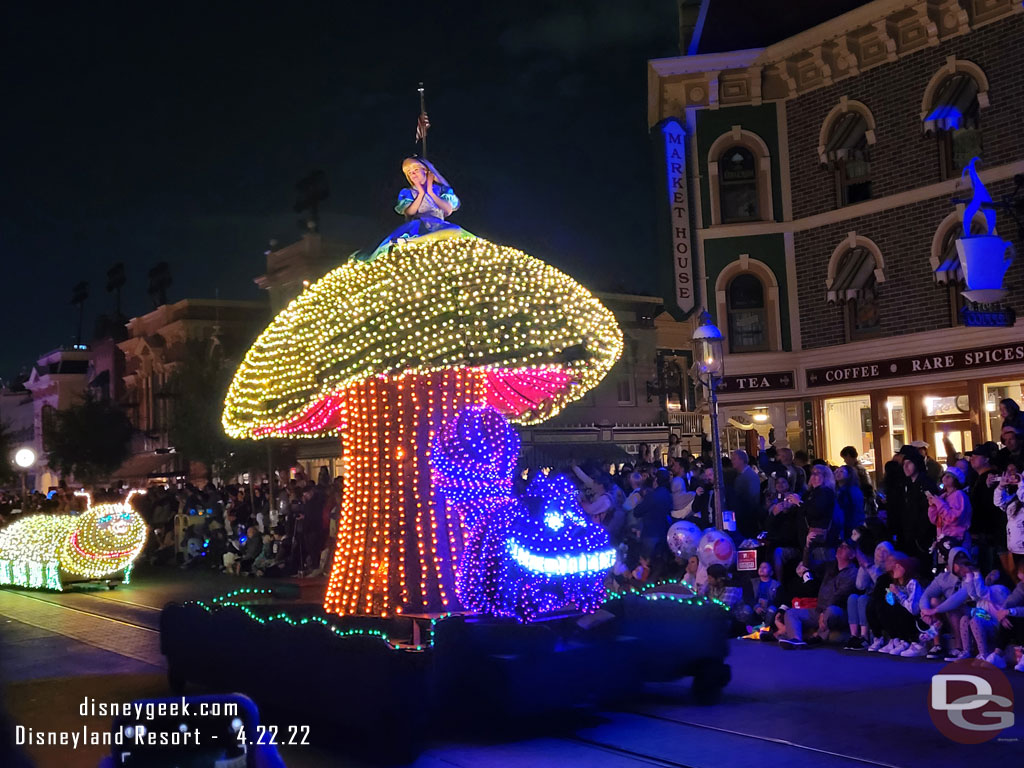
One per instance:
[(961, 359), (757, 382)]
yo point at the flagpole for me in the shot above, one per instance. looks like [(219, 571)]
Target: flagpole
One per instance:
[(423, 111)]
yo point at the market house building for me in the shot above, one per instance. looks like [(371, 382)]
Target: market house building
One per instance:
[(823, 166)]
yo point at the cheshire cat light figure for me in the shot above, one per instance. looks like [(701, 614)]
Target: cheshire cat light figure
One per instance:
[(522, 557), (47, 551)]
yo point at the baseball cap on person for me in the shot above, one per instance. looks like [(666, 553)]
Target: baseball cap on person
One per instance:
[(919, 444), (988, 450)]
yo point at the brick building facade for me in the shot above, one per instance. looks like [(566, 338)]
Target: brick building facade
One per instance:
[(825, 172)]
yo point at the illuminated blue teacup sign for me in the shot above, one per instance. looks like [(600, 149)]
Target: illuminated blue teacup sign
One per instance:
[(985, 258)]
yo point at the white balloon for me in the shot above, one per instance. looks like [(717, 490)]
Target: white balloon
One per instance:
[(683, 537)]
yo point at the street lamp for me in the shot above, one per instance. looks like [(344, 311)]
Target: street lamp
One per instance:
[(708, 355), (24, 458)]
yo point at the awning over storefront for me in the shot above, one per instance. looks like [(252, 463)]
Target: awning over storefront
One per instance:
[(853, 276), (949, 270), (846, 141), (954, 107)]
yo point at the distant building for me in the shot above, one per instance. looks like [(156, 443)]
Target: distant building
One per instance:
[(56, 382), (156, 345), (291, 268), (822, 166), (645, 396)]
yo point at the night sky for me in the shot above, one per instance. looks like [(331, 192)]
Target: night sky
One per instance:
[(176, 133)]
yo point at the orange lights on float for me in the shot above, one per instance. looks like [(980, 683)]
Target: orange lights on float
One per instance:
[(381, 353)]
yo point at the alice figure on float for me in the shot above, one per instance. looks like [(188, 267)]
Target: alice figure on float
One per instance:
[(387, 349), (428, 200), (426, 204)]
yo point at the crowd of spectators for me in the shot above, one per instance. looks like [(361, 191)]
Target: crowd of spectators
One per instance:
[(929, 563), (236, 529)]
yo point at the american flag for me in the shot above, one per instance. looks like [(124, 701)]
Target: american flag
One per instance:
[(422, 124)]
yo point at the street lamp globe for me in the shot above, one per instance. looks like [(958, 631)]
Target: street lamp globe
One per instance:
[(25, 457), (708, 349)]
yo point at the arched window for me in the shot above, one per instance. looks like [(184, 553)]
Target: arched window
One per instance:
[(848, 154), (737, 185), (946, 260), (855, 272), (739, 177), (953, 118), (745, 304)]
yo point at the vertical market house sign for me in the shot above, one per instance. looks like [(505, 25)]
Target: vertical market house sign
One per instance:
[(959, 360), (674, 142)]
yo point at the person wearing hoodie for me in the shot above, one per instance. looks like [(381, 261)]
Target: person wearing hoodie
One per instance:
[(944, 586), (987, 533), (984, 623), (988, 601), (916, 532), (1010, 630), (902, 607), (857, 606), (1009, 498)]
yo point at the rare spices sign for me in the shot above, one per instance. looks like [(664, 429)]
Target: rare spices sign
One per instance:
[(959, 360)]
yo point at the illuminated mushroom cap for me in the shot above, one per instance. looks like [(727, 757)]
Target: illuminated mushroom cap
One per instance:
[(541, 338)]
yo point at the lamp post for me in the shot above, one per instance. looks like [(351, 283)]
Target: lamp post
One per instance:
[(24, 458), (708, 357)]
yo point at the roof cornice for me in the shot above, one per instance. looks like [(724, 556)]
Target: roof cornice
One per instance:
[(871, 35)]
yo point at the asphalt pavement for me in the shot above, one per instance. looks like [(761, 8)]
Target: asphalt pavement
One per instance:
[(820, 707)]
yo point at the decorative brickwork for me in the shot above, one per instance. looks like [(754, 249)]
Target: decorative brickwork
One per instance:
[(909, 300), (902, 157)]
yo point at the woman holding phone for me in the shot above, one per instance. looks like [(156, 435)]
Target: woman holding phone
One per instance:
[(950, 513)]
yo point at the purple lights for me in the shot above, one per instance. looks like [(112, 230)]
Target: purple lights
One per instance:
[(522, 557)]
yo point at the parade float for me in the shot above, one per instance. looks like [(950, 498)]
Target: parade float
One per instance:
[(51, 551), (447, 592)]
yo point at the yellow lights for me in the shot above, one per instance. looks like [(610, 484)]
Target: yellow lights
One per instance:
[(424, 307), (101, 541)]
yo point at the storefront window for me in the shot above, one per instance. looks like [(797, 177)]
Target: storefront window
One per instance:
[(897, 409), (848, 422), (947, 419), (994, 393)]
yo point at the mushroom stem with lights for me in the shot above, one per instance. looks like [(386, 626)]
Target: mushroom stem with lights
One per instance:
[(381, 354)]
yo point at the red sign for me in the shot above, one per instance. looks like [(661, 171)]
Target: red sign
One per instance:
[(746, 560)]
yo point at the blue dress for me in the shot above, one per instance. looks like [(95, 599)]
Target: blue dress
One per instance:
[(428, 220)]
